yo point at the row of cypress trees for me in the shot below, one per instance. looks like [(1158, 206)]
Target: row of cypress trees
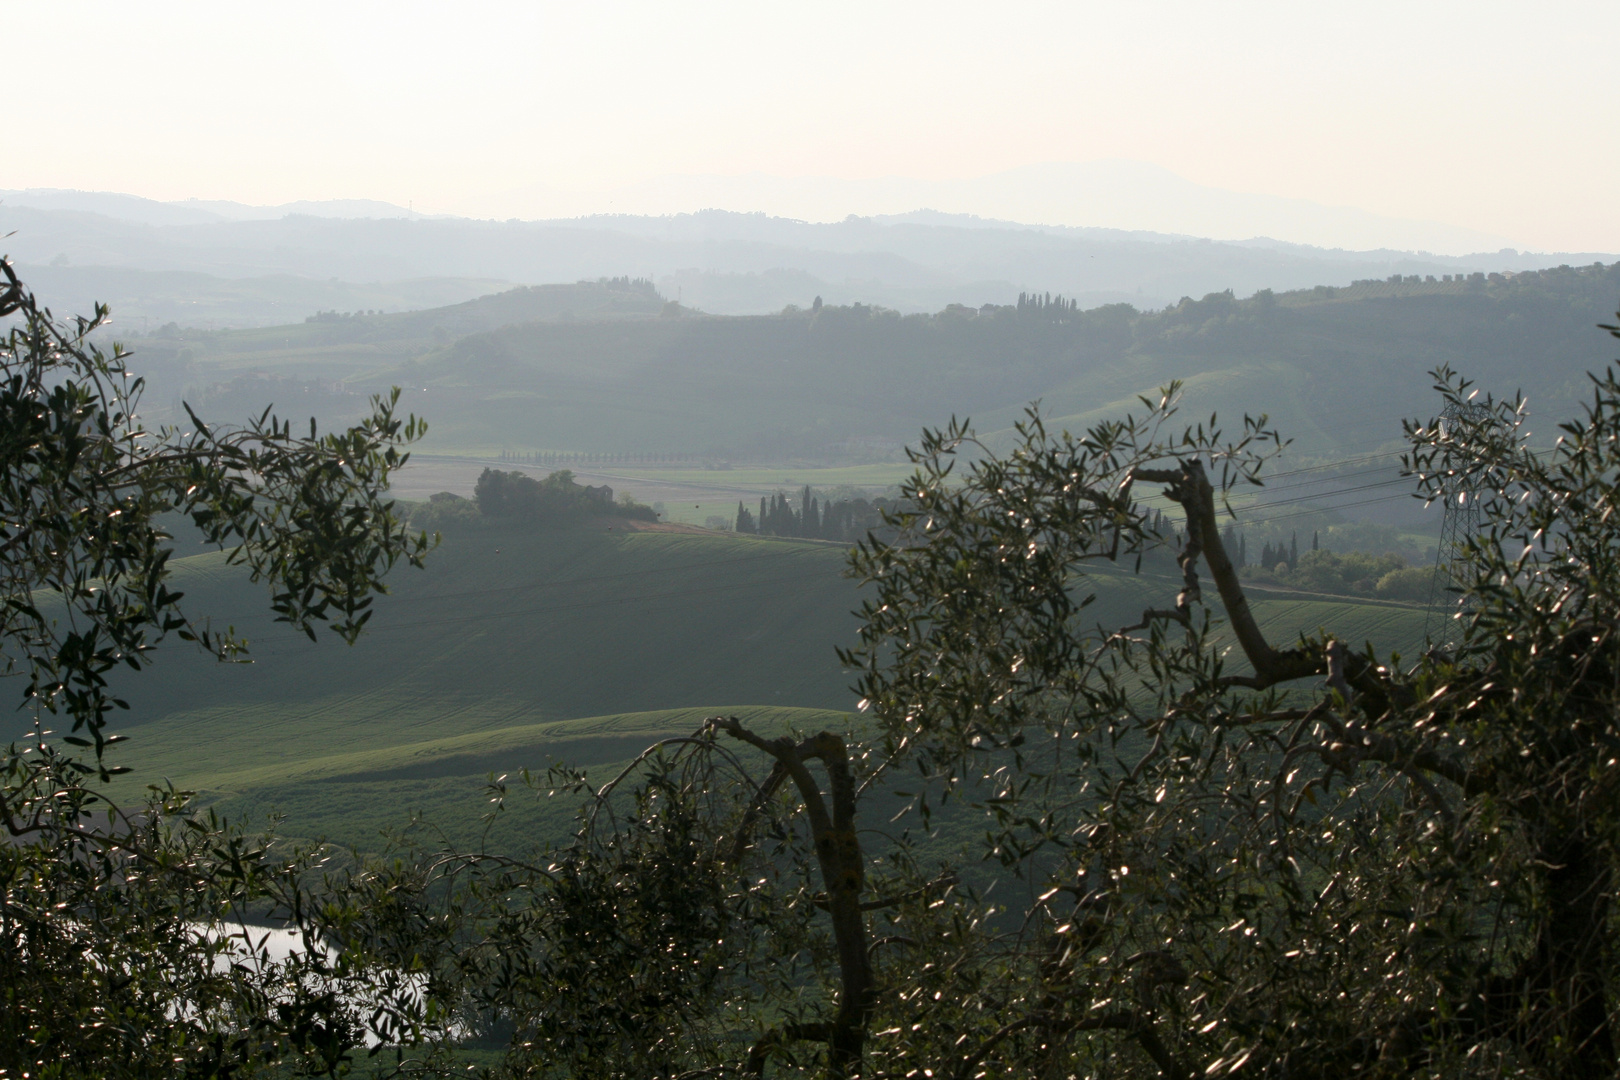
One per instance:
[(1273, 555), (1047, 306), (1237, 544), (811, 518)]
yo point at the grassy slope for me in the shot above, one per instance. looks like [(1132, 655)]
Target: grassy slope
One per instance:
[(582, 646), (357, 796), (476, 659), (507, 626)]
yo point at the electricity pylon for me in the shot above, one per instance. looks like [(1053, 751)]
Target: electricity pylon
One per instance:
[(1463, 493)]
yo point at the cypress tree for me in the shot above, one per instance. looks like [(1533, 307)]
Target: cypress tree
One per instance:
[(1243, 551), (1293, 552), (1315, 538)]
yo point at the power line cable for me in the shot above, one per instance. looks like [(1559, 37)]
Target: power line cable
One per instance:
[(1320, 495), (1309, 511), (1333, 465)]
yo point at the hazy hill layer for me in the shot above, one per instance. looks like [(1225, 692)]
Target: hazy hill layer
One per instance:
[(304, 366), (593, 369), (147, 300), (728, 263)]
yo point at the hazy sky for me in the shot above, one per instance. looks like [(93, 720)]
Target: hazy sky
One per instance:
[(1500, 117)]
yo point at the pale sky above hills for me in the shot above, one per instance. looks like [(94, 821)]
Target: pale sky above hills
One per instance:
[(1489, 119)]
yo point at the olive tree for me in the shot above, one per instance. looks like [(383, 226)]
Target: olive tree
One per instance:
[(1200, 851), (1292, 858), (116, 956)]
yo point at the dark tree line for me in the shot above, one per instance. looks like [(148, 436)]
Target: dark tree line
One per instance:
[(1045, 305), (1237, 544), (341, 316), (555, 500), (626, 283), (1271, 556), (813, 519)]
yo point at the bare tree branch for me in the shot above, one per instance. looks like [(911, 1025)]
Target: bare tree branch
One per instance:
[(843, 875)]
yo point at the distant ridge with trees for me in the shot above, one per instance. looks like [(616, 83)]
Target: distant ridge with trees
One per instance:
[(510, 373)]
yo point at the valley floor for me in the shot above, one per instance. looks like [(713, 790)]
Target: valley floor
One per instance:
[(518, 648)]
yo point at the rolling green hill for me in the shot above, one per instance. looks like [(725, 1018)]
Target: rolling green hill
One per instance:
[(357, 796), (512, 626), (592, 368), (515, 648), (506, 633), (238, 372)]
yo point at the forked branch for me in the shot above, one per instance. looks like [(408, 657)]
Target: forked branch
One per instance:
[(843, 875), (1190, 488)]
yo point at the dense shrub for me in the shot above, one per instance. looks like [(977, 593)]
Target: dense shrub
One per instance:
[(1350, 573), (555, 500), (443, 510), (1414, 583)]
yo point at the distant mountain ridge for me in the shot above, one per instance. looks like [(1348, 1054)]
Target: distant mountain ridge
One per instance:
[(1111, 193), (1120, 196), (143, 211), (717, 261)]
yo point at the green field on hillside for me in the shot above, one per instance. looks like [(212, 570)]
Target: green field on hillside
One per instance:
[(512, 625), (519, 647), (506, 632), (358, 796)]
